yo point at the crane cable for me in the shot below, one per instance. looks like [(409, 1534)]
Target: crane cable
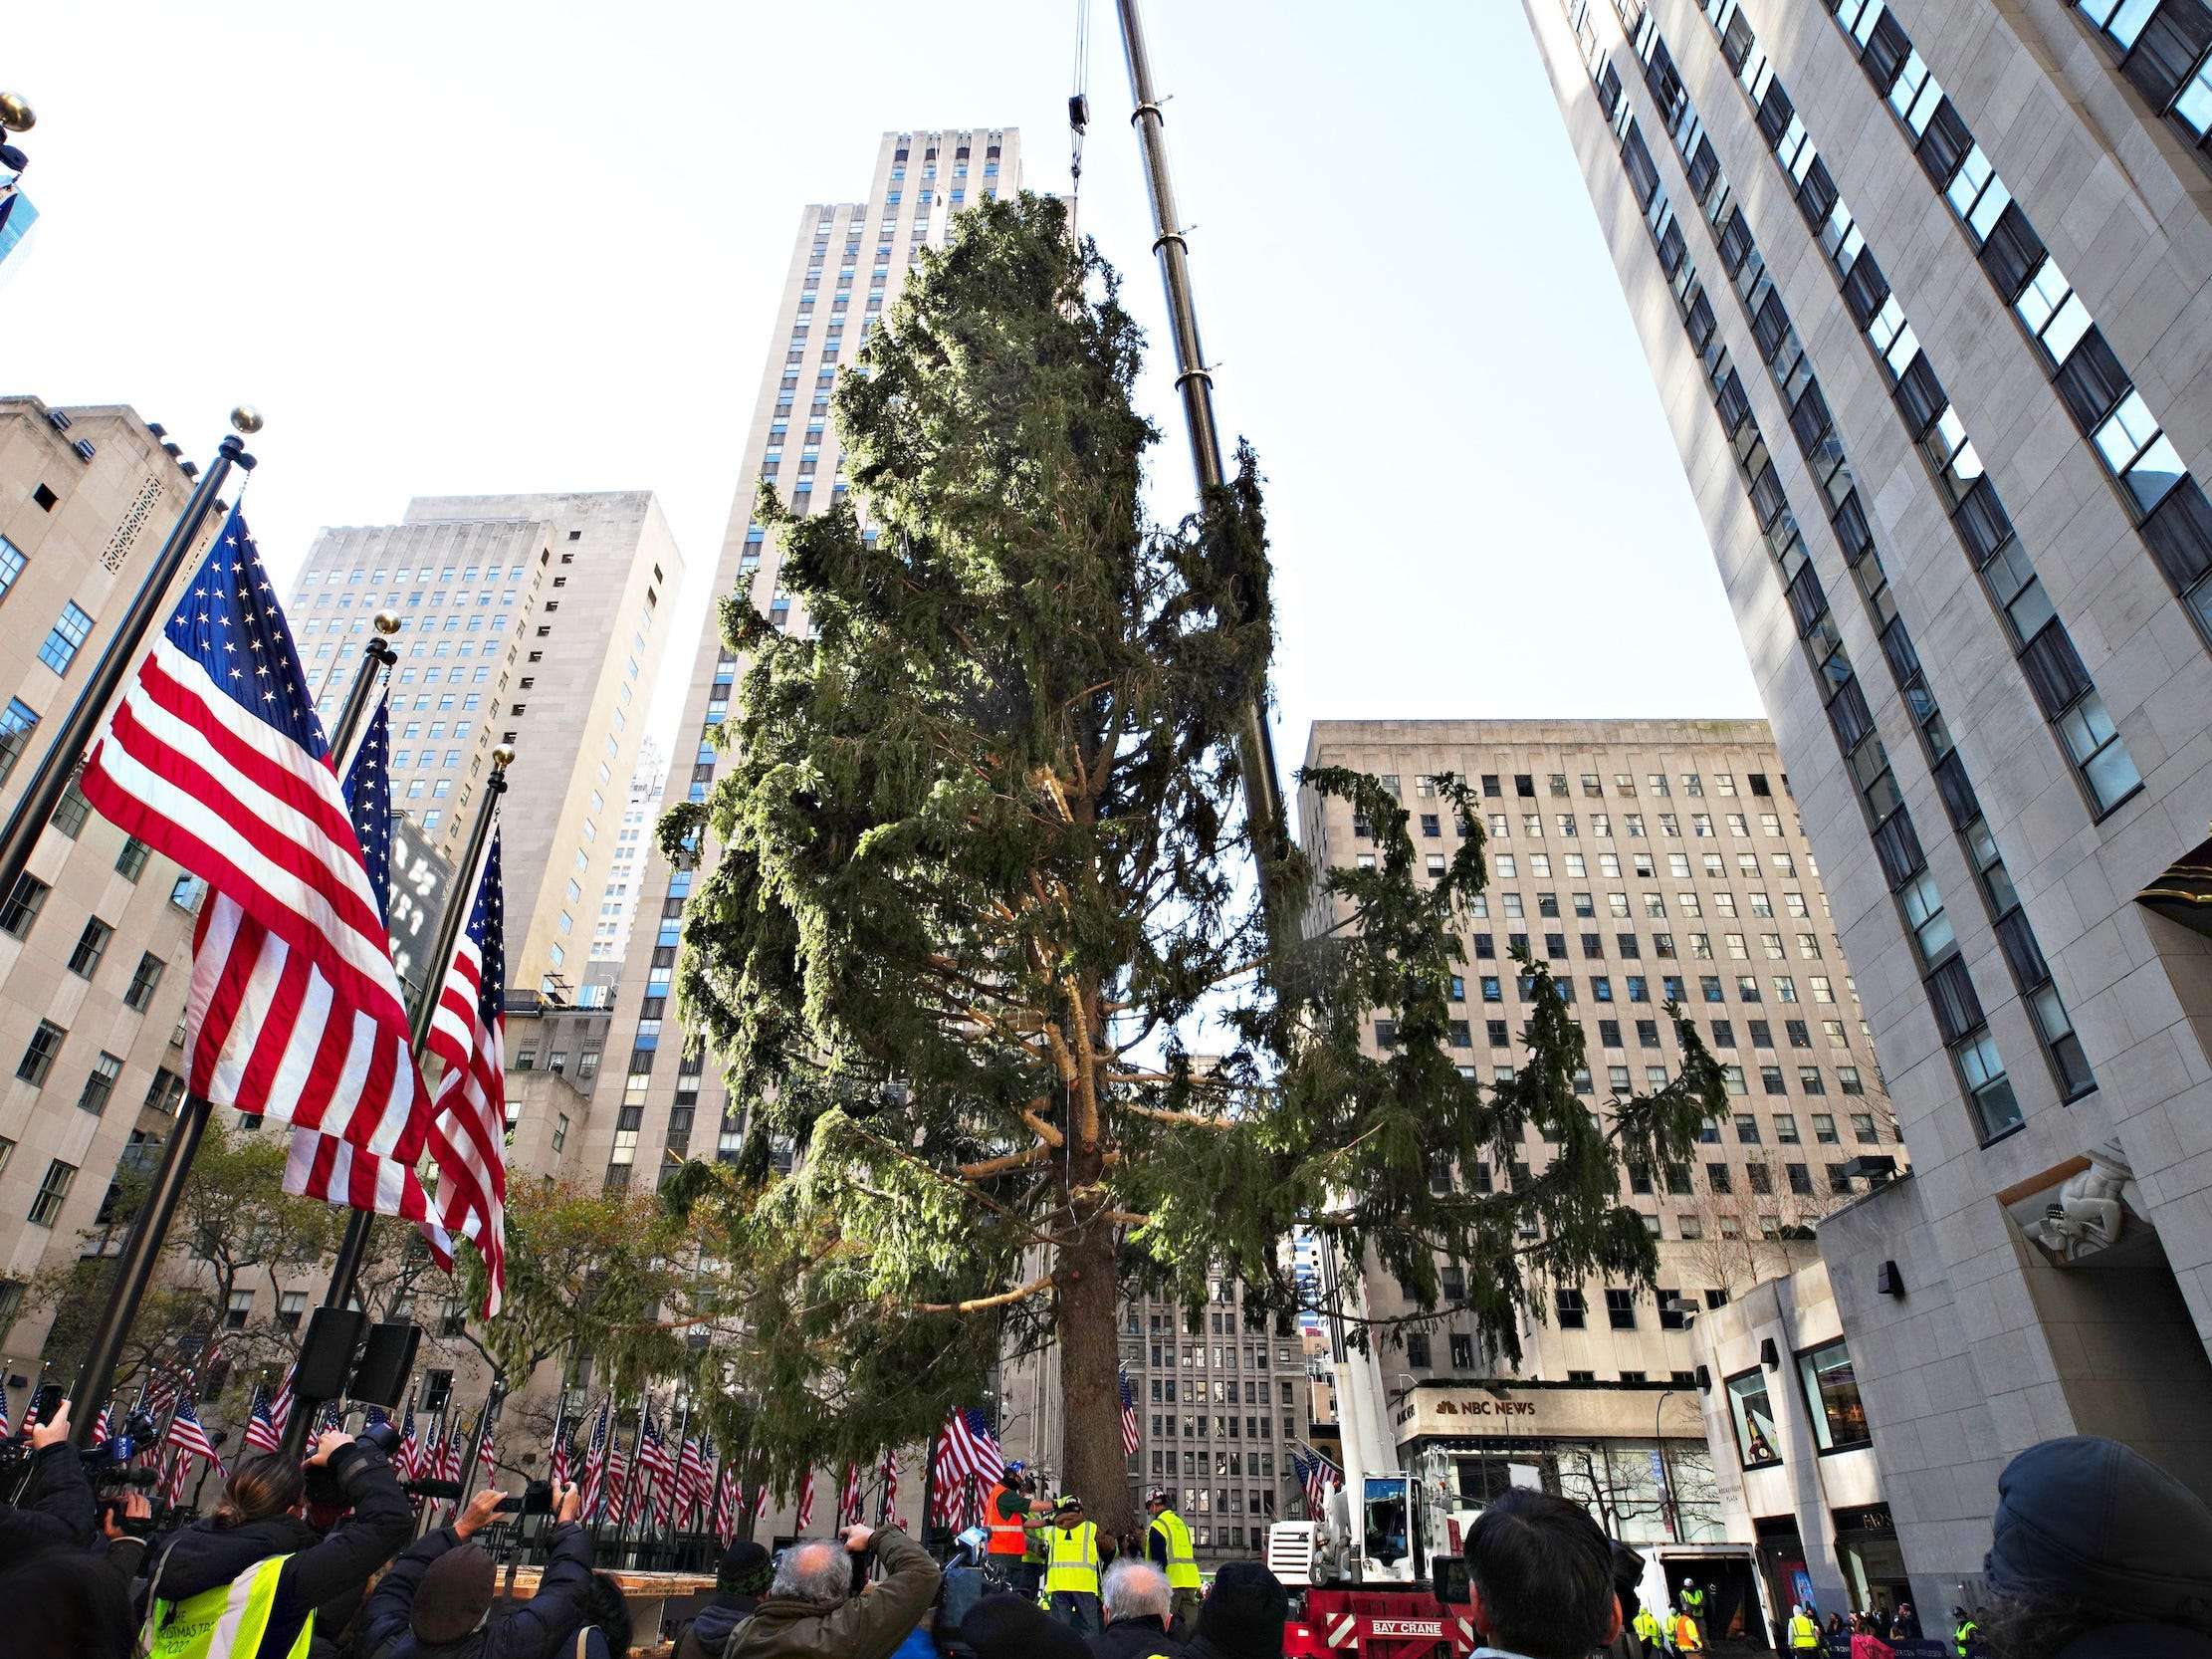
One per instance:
[(1078, 101)]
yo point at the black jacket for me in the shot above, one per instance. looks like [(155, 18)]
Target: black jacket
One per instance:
[(57, 1511), (531, 1631), (709, 1630), (1137, 1637), (322, 1567)]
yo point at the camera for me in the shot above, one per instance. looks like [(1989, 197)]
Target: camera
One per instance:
[(535, 1499), (383, 1436)]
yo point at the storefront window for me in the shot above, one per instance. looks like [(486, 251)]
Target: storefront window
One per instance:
[(1754, 1415), (1832, 1391)]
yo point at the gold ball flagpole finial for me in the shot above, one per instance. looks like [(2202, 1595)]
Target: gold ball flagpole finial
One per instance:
[(503, 757), (246, 418), (386, 622), (16, 114)]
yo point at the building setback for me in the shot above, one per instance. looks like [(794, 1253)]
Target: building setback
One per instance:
[(524, 619), (1644, 862), (1924, 289), (96, 944)]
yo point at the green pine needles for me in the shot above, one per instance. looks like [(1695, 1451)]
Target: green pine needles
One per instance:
[(979, 886)]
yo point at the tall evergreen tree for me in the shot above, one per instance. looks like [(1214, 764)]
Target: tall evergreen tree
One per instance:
[(980, 886)]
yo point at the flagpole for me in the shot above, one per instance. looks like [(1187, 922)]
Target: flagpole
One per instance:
[(50, 779), (378, 653), (675, 1497), (629, 1486), (361, 1225), (149, 1228), (484, 1418)]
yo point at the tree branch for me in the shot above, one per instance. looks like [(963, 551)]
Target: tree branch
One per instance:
[(975, 1304)]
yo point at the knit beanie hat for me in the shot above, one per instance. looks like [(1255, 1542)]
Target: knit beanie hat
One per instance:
[(1243, 1614), (2089, 1518), (746, 1570), (454, 1596)]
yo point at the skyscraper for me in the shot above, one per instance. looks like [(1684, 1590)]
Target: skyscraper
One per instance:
[(96, 942), (1924, 290), (610, 933), (848, 262), (524, 619), (1646, 862)]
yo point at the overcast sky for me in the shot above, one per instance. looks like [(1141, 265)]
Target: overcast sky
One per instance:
[(490, 246)]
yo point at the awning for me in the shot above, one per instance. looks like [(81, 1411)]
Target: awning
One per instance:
[(2184, 892)]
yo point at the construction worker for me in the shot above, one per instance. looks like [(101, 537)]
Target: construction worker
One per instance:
[(1167, 1546), (1646, 1629), (1805, 1630), (1965, 1636), (1693, 1600), (1006, 1518), (1071, 1562), (1687, 1639)]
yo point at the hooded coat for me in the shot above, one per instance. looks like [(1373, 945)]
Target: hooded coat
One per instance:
[(553, 1615)]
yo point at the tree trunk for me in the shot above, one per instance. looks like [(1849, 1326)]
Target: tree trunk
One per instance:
[(1092, 1462)]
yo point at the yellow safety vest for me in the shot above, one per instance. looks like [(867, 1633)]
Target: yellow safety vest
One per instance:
[(1072, 1564), (1686, 1639), (1804, 1632), (226, 1622), (1965, 1636), (1694, 1602), (1646, 1626), (1183, 1565)]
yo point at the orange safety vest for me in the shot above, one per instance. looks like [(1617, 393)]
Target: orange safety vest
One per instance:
[(1008, 1538)]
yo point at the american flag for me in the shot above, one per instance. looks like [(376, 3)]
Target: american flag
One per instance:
[(467, 1137), (728, 1497), (190, 1440), (1130, 1438), (314, 1157), (403, 1461), (484, 1459), (595, 1459), (215, 759), (449, 1465), (889, 1514), (691, 1474), (849, 1496), (100, 1427), (805, 1500), (1313, 1472), (655, 1470), (5, 1430), (967, 1457), (557, 1468), (262, 1433)]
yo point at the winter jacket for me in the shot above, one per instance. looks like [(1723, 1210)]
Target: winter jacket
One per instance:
[(709, 1631), (1140, 1636), (544, 1628), (870, 1625), (322, 1568), (58, 1511)]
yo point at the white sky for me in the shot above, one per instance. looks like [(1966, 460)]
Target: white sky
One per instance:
[(485, 246)]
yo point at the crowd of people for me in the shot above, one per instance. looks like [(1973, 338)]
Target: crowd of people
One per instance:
[(2095, 1554)]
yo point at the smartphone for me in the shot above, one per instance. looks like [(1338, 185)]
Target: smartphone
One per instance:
[(47, 1400)]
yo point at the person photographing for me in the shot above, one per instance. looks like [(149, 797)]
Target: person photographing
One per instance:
[(437, 1598), (254, 1575)]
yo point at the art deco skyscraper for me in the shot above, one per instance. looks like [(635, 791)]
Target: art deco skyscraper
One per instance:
[(848, 262)]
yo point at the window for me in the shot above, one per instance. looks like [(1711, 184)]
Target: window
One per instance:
[(72, 812), (1573, 1314), (69, 632), (1619, 1309), (91, 945), (46, 1207), (1754, 1419), (1832, 1391), (23, 906), (100, 1084), (39, 1053), (130, 862)]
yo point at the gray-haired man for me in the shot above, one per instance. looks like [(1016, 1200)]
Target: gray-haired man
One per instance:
[(811, 1611), (1137, 1600)]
